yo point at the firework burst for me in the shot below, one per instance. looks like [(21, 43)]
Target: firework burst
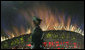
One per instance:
[(50, 21)]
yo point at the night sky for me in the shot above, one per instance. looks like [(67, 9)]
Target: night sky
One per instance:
[(10, 15)]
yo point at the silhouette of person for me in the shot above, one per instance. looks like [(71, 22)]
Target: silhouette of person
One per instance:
[(37, 34)]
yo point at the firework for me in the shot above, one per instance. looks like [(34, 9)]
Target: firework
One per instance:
[(50, 21)]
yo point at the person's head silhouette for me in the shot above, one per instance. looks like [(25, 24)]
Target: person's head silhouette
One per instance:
[(36, 21)]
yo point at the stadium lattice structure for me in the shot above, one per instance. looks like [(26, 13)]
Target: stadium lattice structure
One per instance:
[(53, 39)]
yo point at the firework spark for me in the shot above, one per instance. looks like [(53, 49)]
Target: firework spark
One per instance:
[(50, 20)]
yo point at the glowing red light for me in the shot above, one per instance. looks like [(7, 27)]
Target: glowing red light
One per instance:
[(49, 43), (74, 43), (57, 41), (67, 42), (61, 43), (29, 45), (44, 43), (57, 45), (58, 48), (52, 44)]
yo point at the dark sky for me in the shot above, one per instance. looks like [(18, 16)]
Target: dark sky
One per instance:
[(10, 15)]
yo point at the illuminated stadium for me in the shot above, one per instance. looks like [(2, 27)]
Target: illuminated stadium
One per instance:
[(61, 30), (59, 39)]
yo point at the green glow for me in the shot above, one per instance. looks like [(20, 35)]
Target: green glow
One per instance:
[(48, 35)]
